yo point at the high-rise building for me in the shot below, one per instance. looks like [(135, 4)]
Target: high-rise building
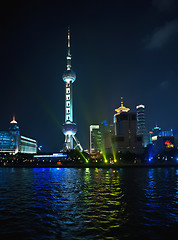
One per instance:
[(119, 110), (69, 127), (126, 138), (141, 127), (100, 137), (95, 139), (12, 142), (107, 133)]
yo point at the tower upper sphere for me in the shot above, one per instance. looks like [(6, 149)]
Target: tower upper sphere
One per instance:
[(69, 75)]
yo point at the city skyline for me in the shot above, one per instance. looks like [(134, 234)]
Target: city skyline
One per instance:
[(114, 55)]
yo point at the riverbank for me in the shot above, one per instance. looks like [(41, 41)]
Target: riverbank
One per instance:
[(68, 165)]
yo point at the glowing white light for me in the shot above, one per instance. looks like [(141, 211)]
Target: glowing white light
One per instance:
[(28, 139), (140, 106), (13, 121), (94, 127), (154, 138)]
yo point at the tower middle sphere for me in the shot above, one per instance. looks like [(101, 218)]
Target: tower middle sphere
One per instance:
[(69, 76)]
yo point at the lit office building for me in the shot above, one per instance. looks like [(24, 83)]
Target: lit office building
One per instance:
[(95, 139), (27, 145), (12, 142), (126, 138), (141, 128), (107, 133), (8, 143), (165, 146)]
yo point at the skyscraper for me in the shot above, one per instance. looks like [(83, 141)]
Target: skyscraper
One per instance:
[(95, 139), (126, 138), (141, 128), (120, 110), (69, 127)]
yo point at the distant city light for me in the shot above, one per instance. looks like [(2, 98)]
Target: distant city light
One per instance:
[(140, 106)]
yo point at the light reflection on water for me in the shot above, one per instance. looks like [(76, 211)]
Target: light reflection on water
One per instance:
[(44, 203), (104, 200)]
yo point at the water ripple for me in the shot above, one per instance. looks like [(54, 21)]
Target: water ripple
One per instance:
[(88, 203)]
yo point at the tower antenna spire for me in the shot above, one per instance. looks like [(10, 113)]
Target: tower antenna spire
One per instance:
[(68, 50), (122, 104), (68, 44)]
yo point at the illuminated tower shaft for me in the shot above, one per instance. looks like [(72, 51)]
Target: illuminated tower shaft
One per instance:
[(69, 116), (69, 127), (68, 103)]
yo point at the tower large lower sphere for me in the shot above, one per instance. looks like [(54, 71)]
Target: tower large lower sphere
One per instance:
[(69, 130), (69, 127)]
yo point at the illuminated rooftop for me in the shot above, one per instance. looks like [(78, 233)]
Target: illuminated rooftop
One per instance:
[(121, 108), (13, 121), (140, 106)]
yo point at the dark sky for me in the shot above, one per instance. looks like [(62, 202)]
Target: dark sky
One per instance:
[(119, 48)]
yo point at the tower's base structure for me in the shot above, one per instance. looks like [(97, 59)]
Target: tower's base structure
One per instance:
[(69, 127), (69, 130)]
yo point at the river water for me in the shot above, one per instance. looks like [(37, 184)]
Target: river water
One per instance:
[(69, 203)]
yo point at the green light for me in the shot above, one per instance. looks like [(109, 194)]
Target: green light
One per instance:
[(86, 160)]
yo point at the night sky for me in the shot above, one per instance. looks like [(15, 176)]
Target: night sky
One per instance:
[(119, 48)]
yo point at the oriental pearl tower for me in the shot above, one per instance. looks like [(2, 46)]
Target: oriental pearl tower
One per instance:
[(69, 127)]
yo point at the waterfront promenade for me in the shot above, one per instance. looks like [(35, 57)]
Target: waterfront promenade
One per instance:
[(87, 165)]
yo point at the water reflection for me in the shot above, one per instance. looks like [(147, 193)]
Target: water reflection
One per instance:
[(176, 198), (105, 212), (88, 203), (160, 208)]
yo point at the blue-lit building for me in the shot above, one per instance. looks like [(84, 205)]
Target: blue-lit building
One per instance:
[(164, 144), (55, 157), (12, 142), (8, 142)]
